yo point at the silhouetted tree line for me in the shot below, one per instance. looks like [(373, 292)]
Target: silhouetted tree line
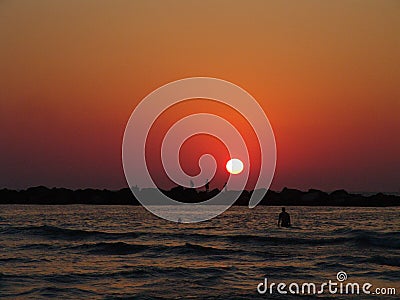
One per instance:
[(288, 197)]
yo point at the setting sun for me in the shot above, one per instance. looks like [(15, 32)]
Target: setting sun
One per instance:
[(234, 166)]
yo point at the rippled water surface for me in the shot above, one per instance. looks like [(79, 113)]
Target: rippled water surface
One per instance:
[(124, 252)]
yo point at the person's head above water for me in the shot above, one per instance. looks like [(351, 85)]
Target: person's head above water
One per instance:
[(283, 209)]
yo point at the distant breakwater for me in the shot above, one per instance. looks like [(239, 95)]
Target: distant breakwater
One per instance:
[(289, 197)]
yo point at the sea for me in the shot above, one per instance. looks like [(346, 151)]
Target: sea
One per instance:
[(125, 252)]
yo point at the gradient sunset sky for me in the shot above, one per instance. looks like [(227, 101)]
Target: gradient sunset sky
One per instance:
[(327, 74)]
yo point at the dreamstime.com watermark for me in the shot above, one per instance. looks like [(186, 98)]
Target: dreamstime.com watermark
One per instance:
[(338, 286)]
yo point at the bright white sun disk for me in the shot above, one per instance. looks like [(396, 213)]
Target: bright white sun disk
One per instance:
[(234, 166)]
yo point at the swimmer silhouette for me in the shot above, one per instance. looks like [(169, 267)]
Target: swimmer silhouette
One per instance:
[(284, 219)]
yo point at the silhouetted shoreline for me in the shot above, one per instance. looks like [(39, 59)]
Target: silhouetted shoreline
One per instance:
[(289, 197)]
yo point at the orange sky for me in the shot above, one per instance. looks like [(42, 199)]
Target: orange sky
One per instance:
[(327, 74)]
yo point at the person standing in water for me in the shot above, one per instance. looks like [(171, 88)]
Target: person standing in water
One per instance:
[(284, 219)]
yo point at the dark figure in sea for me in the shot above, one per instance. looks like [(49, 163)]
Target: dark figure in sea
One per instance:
[(284, 219)]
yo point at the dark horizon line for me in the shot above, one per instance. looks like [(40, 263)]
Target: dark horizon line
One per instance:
[(200, 189), (289, 197)]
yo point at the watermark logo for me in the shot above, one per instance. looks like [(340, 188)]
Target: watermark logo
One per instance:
[(153, 105), (329, 287), (341, 276)]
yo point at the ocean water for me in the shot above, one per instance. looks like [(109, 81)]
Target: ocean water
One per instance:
[(124, 252)]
